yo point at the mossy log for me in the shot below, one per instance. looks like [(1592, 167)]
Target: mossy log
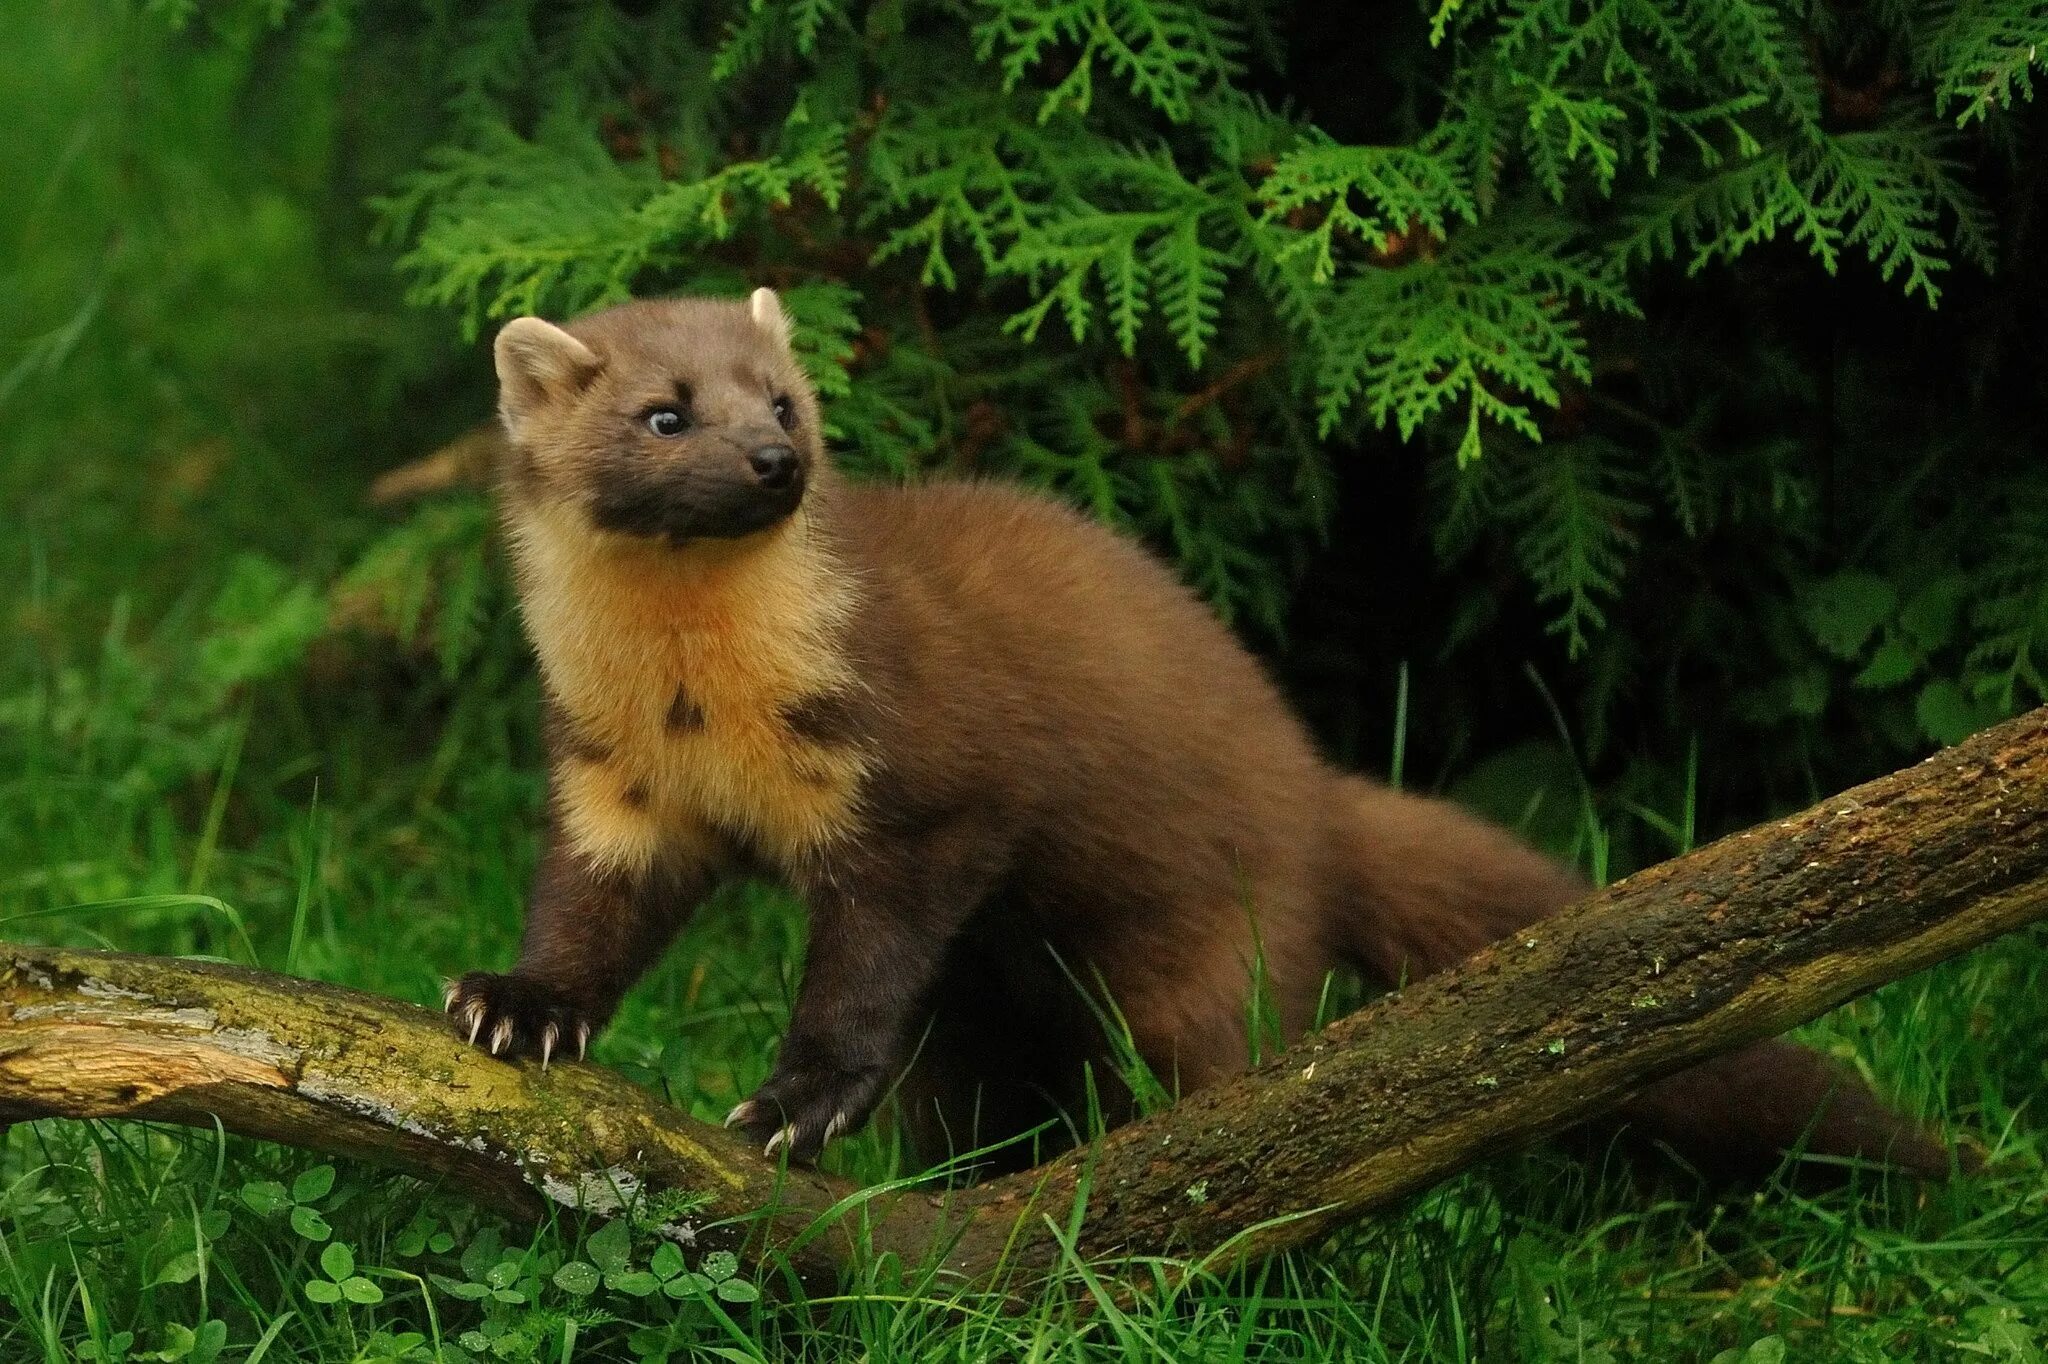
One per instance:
[(1735, 941)]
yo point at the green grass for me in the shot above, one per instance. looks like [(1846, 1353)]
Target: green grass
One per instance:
[(196, 758), (117, 1236)]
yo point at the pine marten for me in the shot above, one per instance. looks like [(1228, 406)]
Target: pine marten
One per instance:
[(1007, 760)]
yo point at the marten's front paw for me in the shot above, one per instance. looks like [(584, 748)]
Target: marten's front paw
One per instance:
[(804, 1109), (516, 1016)]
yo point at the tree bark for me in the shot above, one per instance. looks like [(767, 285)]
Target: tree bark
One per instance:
[(1736, 941)]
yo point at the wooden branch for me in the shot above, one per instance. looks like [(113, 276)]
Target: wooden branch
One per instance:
[(101, 1035), (1736, 941), (465, 462)]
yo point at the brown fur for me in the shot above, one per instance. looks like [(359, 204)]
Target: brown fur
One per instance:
[(999, 750)]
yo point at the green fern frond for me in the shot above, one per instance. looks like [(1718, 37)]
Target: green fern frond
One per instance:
[(1718, 217), (1754, 49), (1616, 42), (1982, 54), (558, 225), (1165, 51), (765, 27), (825, 323), (1188, 274), (964, 169), (1169, 52), (1489, 322), (506, 225), (1576, 504), (1024, 33), (1566, 127), (1928, 153), (1060, 258), (1364, 194), (748, 37), (1863, 183)]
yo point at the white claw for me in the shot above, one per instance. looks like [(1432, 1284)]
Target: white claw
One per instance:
[(476, 1021), (582, 1039), (501, 1035), (741, 1111), (778, 1141), (548, 1035), (449, 989), (837, 1127)]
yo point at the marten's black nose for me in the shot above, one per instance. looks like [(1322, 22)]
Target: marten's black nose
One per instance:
[(774, 465)]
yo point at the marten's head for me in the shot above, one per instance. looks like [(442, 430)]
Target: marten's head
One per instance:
[(679, 420)]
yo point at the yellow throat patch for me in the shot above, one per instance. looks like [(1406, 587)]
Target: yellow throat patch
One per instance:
[(675, 669)]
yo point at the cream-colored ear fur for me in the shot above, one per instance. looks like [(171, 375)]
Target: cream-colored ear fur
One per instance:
[(768, 315), (538, 361)]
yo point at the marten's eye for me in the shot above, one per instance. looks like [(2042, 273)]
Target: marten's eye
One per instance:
[(785, 412), (666, 421)]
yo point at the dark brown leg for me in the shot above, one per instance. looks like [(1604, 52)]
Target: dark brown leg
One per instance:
[(589, 936), (881, 924)]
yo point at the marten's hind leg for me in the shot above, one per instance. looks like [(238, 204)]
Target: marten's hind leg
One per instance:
[(1014, 1044), (965, 1106), (999, 1061)]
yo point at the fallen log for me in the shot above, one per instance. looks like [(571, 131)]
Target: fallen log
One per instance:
[(1735, 941)]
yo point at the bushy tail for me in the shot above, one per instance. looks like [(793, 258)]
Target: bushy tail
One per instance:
[(1434, 885)]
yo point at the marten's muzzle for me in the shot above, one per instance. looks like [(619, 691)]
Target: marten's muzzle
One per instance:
[(719, 494)]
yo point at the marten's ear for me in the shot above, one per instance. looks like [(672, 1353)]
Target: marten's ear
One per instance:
[(538, 361), (767, 312)]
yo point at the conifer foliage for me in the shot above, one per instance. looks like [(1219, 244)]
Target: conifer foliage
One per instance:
[(1650, 285)]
